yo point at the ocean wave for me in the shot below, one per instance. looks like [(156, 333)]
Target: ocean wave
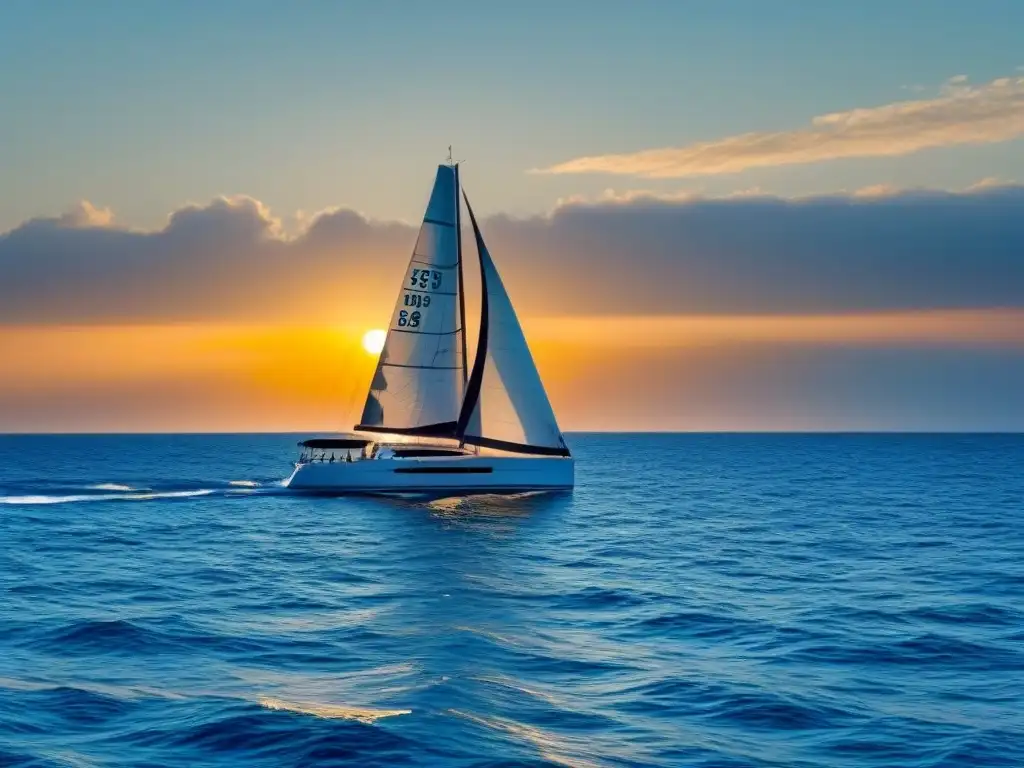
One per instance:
[(126, 638), (601, 597), (572, 752), (19, 759), (768, 711), (735, 606), (926, 650), (263, 736), (96, 636), (696, 624)]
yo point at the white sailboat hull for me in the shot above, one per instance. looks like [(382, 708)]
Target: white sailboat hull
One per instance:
[(469, 473)]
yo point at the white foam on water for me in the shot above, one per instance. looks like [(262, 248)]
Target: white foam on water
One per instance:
[(365, 715), (244, 483), (71, 499), (51, 499), (169, 495), (112, 487)]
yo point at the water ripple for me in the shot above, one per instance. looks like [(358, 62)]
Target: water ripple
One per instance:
[(789, 601)]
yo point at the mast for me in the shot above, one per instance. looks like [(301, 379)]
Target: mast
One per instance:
[(462, 285)]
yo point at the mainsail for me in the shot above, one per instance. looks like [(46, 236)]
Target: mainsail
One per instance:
[(505, 404), (417, 388)]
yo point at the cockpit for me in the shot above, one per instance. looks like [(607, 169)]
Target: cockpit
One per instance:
[(331, 450)]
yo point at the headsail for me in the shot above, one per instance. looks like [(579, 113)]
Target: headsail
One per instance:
[(418, 386), (505, 406)]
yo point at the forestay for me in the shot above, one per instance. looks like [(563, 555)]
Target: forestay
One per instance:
[(418, 385), (506, 406)]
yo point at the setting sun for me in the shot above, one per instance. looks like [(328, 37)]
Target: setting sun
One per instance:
[(373, 341)]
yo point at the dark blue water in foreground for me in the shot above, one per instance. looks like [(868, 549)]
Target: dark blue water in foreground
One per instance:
[(698, 601)]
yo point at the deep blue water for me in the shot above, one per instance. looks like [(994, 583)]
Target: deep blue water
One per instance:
[(699, 600)]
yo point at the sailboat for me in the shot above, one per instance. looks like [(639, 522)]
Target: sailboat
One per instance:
[(431, 422)]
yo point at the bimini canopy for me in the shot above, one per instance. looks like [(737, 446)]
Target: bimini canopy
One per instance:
[(334, 442)]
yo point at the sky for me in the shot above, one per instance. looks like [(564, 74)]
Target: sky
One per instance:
[(710, 215)]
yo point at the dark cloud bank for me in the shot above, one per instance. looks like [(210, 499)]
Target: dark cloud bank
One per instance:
[(226, 261)]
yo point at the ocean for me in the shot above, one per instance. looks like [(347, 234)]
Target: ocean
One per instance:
[(698, 600)]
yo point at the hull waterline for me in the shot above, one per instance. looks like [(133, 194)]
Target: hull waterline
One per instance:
[(480, 474)]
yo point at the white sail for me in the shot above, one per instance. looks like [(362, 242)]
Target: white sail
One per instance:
[(418, 385), (506, 406)]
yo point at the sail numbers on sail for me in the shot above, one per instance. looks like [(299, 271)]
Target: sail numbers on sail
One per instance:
[(417, 300), (421, 278), (405, 319), (423, 282)]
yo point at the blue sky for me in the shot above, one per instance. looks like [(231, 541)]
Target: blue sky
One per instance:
[(145, 106), (761, 215)]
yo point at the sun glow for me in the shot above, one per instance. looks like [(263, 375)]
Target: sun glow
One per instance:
[(373, 341)]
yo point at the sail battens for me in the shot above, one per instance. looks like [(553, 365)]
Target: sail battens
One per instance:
[(424, 367), (433, 264), (428, 333), (438, 222), (431, 293)]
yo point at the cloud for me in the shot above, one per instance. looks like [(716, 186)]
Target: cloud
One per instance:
[(225, 260), (629, 196), (627, 254), (901, 251), (85, 214), (961, 114)]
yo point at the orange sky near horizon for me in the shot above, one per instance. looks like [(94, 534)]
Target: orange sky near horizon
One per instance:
[(602, 373)]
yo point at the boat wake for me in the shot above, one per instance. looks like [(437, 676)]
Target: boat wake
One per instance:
[(75, 498), (65, 493), (114, 487)]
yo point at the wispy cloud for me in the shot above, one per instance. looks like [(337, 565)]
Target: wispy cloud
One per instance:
[(961, 114)]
